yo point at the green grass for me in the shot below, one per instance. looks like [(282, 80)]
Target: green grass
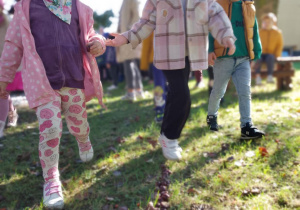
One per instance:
[(220, 183)]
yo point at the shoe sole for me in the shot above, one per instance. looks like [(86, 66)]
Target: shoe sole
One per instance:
[(249, 138)]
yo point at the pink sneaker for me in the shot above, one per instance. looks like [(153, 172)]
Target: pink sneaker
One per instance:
[(53, 196), (12, 118)]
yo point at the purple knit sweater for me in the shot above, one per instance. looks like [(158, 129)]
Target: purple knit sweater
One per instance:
[(58, 45)]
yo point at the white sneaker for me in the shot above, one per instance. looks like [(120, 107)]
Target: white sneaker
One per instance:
[(2, 125), (171, 149), (12, 118), (112, 87), (53, 196), (270, 79), (86, 151), (258, 80), (140, 94), (129, 97)]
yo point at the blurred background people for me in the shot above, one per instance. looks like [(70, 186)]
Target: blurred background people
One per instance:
[(272, 45), (160, 83), (129, 14)]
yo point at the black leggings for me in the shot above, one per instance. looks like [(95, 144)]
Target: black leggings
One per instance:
[(178, 103)]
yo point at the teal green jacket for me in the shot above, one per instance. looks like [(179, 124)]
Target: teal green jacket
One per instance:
[(239, 32)]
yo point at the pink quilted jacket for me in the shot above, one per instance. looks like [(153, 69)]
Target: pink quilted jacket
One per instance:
[(20, 46)]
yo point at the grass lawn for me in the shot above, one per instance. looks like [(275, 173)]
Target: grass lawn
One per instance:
[(217, 169)]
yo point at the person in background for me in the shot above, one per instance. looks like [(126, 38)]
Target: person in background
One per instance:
[(129, 14), (160, 83), (272, 45), (112, 65)]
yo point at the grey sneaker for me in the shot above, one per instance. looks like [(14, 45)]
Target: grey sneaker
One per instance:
[(129, 97)]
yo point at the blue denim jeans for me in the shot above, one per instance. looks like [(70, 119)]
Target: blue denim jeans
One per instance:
[(269, 59), (240, 71)]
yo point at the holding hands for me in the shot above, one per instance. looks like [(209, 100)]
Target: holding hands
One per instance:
[(118, 41)]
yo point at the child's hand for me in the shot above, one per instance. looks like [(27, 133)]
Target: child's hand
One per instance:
[(228, 42), (118, 41), (96, 48), (3, 92), (211, 58)]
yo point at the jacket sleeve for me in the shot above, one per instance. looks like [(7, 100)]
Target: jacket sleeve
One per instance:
[(219, 24), (144, 27), (279, 45), (256, 40), (92, 35), (12, 52)]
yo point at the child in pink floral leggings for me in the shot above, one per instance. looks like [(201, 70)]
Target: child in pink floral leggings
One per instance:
[(57, 44)]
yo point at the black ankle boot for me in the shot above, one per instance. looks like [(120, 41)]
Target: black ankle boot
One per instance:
[(212, 122)]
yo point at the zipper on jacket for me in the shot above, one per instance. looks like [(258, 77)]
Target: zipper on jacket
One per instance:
[(59, 52)]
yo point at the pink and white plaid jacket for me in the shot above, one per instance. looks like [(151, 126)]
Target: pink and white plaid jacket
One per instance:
[(166, 17), (20, 46)]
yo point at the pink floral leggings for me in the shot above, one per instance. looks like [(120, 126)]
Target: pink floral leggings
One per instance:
[(71, 102)]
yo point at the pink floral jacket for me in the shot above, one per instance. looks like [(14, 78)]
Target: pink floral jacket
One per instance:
[(20, 46)]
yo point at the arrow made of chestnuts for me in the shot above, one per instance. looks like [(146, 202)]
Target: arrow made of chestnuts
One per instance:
[(162, 186)]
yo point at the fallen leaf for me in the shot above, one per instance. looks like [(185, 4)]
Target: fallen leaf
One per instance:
[(1, 198), (255, 191), (65, 168), (231, 158), (224, 147), (117, 173), (24, 157), (112, 149), (263, 151), (139, 137), (165, 204), (150, 206), (240, 163), (66, 182), (116, 156), (196, 206), (109, 198), (120, 140), (82, 196), (193, 191), (137, 119), (296, 163), (250, 154), (150, 161), (153, 143), (80, 182)]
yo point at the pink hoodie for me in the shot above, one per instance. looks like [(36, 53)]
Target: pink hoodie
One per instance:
[(20, 46)]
